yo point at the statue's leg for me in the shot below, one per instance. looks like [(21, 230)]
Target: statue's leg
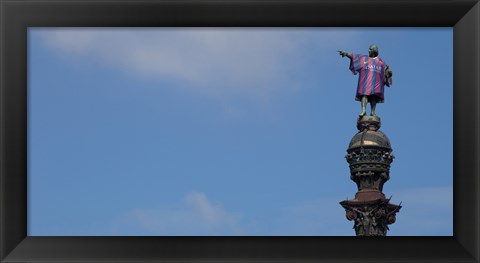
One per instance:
[(373, 105), (364, 106)]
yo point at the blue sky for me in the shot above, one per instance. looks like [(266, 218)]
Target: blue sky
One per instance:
[(240, 131)]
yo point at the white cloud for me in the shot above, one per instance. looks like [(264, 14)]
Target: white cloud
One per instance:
[(195, 216), (425, 212), (209, 213), (219, 62)]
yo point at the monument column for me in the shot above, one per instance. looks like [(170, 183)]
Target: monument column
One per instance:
[(369, 155)]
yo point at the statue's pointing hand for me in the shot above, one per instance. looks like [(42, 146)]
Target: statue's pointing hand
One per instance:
[(344, 54)]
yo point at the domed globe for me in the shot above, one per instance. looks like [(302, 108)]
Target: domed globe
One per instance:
[(369, 155), (368, 138)]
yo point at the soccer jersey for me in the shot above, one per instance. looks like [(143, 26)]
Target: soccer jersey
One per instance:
[(372, 75)]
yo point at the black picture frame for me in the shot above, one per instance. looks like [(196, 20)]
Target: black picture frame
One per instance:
[(17, 15)]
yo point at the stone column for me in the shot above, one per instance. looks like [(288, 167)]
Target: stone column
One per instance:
[(369, 155)]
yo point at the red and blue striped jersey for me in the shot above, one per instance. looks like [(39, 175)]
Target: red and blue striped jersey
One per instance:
[(371, 80)]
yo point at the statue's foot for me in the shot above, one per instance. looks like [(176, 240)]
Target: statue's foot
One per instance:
[(363, 113), (372, 114)]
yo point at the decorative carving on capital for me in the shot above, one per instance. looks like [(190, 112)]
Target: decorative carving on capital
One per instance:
[(371, 219)]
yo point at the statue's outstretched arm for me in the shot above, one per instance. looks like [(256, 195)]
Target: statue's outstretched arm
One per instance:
[(343, 54)]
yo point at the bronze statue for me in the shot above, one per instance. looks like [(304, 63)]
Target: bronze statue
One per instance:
[(374, 74)]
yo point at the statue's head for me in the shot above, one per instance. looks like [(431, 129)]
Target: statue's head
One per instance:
[(373, 51)]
